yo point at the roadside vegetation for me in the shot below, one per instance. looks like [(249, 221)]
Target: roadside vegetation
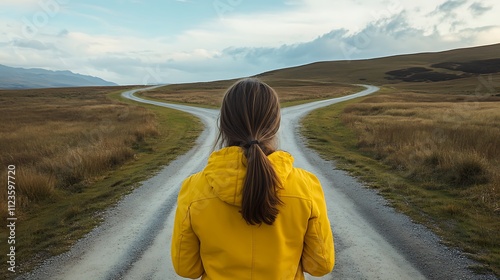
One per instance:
[(77, 151), (436, 157)]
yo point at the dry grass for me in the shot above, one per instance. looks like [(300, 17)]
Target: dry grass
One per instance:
[(444, 144), (436, 157), (63, 138), (211, 94), (77, 151)]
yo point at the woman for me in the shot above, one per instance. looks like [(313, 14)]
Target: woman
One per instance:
[(250, 214)]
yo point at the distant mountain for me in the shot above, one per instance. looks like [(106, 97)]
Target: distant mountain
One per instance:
[(21, 78)]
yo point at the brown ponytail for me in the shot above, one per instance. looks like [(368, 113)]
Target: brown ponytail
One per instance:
[(250, 118)]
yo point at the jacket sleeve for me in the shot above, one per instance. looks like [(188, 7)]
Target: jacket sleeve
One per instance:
[(185, 250), (318, 255)]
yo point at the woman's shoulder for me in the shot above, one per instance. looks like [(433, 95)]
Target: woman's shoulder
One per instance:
[(195, 187), (194, 178), (301, 183)]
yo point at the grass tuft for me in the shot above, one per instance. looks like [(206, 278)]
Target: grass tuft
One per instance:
[(469, 172)]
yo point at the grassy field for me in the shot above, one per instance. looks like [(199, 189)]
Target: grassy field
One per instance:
[(436, 157), (290, 92), (76, 152)]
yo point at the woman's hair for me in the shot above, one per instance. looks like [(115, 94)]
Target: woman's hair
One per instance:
[(250, 118)]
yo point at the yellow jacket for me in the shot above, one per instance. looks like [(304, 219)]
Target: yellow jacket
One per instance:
[(212, 240)]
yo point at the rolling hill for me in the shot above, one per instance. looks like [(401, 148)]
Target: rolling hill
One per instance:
[(460, 71), (21, 78)]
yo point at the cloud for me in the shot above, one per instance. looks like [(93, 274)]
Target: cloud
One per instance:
[(19, 3), (447, 12), (327, 46), (382, 38), (478, 9), (451, 14), (449, 6), (63, 33), (119, 64), (32, 44)]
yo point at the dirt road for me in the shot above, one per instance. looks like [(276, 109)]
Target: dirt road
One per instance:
[(372, 240)]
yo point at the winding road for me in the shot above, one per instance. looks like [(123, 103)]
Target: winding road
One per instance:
[(372, 240)]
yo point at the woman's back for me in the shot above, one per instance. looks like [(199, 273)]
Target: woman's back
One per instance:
[(230, 248)]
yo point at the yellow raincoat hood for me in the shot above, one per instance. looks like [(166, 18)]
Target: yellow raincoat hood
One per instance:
[(212, 240), (226, 170)]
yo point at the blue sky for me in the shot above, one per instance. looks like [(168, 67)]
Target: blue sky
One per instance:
[(173, 41)]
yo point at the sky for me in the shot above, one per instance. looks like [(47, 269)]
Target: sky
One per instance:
[(177, 41)]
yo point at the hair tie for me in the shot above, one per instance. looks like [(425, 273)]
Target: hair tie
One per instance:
[(251, 143)]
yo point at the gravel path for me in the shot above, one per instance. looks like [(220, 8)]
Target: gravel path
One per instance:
[(372, 240)]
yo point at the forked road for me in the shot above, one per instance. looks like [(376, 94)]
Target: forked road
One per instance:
[(372, 240)]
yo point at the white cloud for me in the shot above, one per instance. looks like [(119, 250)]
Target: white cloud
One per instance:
[(479, 9), (488, 36), (19, 3)]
